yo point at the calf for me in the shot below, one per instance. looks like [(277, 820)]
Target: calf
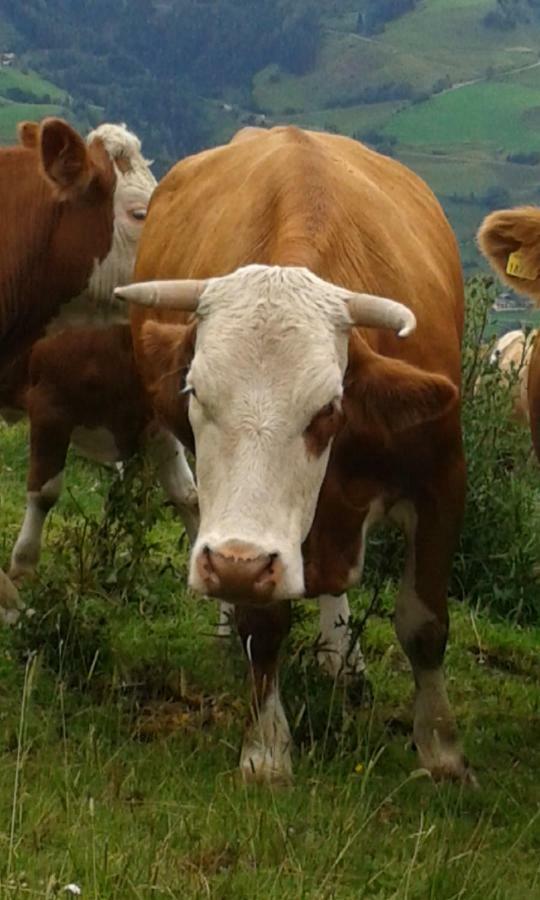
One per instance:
[(512, 355), (84, 389)]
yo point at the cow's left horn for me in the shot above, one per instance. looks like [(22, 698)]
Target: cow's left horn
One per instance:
[(380, 312), (178, 294)]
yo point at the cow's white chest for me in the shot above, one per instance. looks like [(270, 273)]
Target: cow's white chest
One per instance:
[(97, 444)]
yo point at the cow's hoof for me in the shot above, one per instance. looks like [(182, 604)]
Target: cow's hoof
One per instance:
[(11, 604), (259, 765), (447, 763)]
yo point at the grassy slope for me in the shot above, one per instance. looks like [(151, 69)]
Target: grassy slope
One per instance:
[(462, 136), (49, 99), (13, 113), (491, 114), (136, 806)]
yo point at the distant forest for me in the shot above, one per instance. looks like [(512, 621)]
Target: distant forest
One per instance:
[(151, 60)]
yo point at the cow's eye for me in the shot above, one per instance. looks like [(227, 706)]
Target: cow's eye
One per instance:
[(327, 410), (189, 390), (322, 427), (139, 214)]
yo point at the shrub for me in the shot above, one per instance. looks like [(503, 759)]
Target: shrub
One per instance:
[(106, 579), (500, 547), (496, 564)]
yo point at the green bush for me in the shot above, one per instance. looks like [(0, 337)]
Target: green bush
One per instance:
[(497, 563)]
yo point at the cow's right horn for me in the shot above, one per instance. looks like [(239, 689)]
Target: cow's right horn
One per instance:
[(178, 294)]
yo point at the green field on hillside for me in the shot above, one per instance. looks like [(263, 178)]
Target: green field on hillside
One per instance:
[(29, 82), (493, 114), (43, 99), (457, 140), (348, 120), (13, 113)]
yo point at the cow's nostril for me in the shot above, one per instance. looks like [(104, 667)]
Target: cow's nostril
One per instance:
[(239, 571)]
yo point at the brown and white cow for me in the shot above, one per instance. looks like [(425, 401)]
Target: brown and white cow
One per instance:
[(510, 241), (73, 214), (315, 406), (512, 355)]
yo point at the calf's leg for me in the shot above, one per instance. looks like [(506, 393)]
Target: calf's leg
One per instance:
[(49, 442), (175, 477), (336, 656), (266, 749)]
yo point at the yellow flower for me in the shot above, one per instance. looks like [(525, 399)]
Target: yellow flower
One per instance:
[(359, 768)]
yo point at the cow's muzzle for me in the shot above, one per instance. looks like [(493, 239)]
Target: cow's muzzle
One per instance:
[(239, 572)]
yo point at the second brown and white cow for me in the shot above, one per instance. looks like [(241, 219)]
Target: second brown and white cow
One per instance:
[(510, 240), (315, 405), (73, 211)]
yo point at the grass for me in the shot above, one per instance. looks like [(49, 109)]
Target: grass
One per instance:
[(457, 141), (348, 120), (30, 82), (492, 114), (49, 100), (120, 723), (13, 113)]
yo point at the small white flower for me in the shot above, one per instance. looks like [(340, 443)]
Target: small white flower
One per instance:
[(73, 889)]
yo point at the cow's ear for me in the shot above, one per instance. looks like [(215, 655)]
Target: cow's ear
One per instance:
[(510, 241), (64, 157), (391, 395), (28, 134), (165, 357)]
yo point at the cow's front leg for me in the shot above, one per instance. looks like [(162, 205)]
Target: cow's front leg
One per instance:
[(49, 442), (175, 477), (336, 655), (266, 750), (431, 526)]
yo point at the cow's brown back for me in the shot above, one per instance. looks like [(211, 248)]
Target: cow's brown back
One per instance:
[(290, 197)]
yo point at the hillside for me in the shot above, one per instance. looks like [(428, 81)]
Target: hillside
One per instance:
[(441, 87)]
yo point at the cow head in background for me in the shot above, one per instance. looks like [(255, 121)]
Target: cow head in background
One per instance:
[(110, 162), (266, 398), (133, 189), (510, 241), (73, 212)]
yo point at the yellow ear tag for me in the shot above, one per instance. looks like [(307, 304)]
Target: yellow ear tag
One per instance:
[(519, 267)]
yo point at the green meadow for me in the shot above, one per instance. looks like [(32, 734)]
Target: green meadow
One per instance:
[(493, 114), (121, 712)]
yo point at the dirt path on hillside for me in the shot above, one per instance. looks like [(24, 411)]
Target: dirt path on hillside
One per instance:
[(461, 84)]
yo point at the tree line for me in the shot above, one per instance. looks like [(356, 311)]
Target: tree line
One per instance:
[(151, 62)]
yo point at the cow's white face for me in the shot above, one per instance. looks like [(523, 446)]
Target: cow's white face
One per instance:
[(266, 389), (265, 386), (135, 184)]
